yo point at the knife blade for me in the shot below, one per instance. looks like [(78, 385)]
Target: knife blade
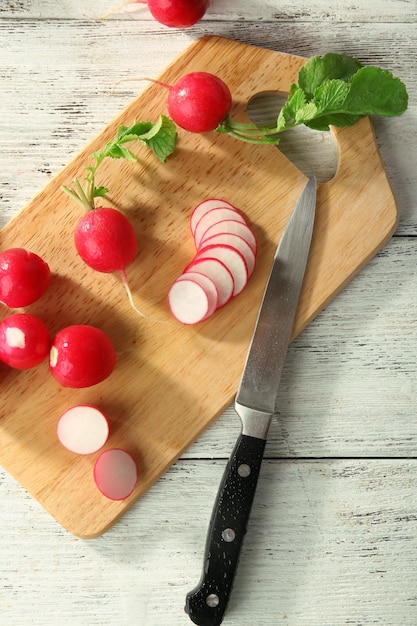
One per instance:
[(255, 404)]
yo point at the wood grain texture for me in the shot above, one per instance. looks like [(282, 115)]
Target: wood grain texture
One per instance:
[(156, 399)]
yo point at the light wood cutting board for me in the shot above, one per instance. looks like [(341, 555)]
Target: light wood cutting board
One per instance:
[(172, 381)]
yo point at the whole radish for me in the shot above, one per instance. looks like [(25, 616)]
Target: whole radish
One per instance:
[(178, 13), (24, 277), (105, 240), (24, 341), (81, 356), (199, 101)]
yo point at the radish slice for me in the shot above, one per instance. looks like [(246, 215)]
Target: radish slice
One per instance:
[(232, 259), (219, 274), (236, 242), (232, 227), (83, 429), (192, 299), (212, 217), (205, 206), (115, 474)]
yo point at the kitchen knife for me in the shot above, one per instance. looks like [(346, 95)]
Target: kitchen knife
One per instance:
[(255, 404)]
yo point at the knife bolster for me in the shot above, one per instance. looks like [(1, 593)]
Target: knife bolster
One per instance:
[(254, 423)]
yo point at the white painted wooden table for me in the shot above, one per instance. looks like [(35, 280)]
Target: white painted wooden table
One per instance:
[(333, 535)]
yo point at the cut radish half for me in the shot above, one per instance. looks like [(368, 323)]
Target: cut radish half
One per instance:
[(83, 429), (205, 206), (115, 474), (192, 298), (232, 227), (219, 274), (212, 217), (236, 242), (232, 259)]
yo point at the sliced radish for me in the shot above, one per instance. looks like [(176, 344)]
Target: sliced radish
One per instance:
[(205, 206), (236, 242), (232, 227), (212, 217), (115, 474), (83, 429), (192, 298), (219, 274), (232, 259)]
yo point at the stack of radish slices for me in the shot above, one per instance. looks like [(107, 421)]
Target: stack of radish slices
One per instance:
[(225, 259)]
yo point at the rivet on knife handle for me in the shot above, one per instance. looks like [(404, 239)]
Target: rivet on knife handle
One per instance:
[(207, 603)]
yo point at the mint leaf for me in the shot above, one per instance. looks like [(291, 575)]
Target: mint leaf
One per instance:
[(318, 70), (374, 91)]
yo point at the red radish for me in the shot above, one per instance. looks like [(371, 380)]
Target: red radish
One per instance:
[(192, 298), (115, 474), (178, 13), (199, 101), (105, 240), (24, 277), (232, 259), (213, 217), (24, 341), (232, 227), (219, 274), (236, 242), (81, 356), (83, 429)]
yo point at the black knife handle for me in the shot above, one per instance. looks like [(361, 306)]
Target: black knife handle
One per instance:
[(207, 603)]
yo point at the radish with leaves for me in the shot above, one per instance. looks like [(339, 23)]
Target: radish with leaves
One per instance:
[(24, 277), (24, 341)]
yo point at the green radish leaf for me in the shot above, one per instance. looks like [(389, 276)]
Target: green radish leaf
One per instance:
[(100, 192)]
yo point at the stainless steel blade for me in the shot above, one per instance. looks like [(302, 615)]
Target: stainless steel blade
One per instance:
[(258, 389)]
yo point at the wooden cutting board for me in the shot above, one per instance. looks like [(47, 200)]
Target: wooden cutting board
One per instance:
[(172, 381)]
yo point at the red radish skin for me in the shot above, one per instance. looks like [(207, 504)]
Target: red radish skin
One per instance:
[(199, 101), (105, 240), (232, 227), (24, 277), (192, 298), (232, 259), (178, 13), (24, 341), (205, 206), (83, 429), (218, 273), (81, 356), (213, 217), (115, 474), (236, 242)]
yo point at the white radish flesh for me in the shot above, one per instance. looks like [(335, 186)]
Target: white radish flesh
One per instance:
[(232, 227), (236, 242), (83, 429), (219, 274), (115, 474), (205, 206), (212, 217), (190, 300), (232, 259)]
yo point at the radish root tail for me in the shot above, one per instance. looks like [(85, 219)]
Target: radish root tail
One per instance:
[(118, 7), (132, 302)]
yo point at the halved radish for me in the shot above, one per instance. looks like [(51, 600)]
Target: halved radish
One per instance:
[(212, 217), (83, 429), (232, 227), (219, 274), (232, 259), (205, 206), (115, 474), (192, 298), (236, 242)]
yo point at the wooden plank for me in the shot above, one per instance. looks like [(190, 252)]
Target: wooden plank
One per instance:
[(329, 542), (157, 387)]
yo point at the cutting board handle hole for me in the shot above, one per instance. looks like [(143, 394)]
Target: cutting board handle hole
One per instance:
[(313, 152)]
